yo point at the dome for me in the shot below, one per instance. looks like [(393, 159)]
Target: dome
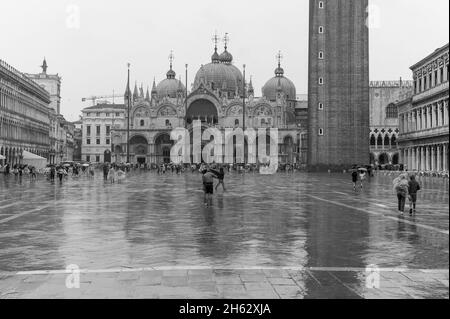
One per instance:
[(226, 57), (270, 89), (221, 76), (169, 86)]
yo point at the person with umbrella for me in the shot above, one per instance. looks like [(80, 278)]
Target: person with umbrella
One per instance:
[(362, 175)]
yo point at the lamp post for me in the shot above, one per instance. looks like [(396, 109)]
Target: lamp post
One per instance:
[(243, 101), (185, 98), (128, 115)]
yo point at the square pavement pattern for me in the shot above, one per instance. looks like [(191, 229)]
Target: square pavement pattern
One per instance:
[(282, 236)]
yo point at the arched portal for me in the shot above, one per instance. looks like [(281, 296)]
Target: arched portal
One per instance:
[(288, 150), (163, 145), (395, 159), (383, 159), (107, 156), (202, 110), (139, 148)]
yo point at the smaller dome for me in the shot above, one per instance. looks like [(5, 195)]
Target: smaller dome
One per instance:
[(279, 71), (215, 58), (226, 57), (171, 74)]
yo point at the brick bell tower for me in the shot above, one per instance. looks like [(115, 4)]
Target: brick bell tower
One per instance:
[(338, 88)]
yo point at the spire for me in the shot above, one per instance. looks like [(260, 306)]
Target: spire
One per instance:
[(215, 57), (154, 87), (44, 66), (171, 73), (147, 95), (141, 90), (135, 93), (279, 71), (127, 89), (251, 91), (180, 86)]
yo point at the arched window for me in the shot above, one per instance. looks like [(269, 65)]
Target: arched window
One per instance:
[(380, 141), (391, 111), (386, 141), (142, 122), (394, 141), (236, 122), (167, 123), (372, 140)]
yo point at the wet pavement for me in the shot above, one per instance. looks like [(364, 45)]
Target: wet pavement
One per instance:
[(283, 236)]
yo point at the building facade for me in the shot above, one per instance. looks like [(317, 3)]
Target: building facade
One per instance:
[(338, 88), (77, 140), (384, 129), (24, 119), (97, 124), (424, 122), (217, 100), (59, 147)]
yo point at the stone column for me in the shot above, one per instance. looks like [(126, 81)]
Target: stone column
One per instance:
[(439, 158), (426, 161), (433, 158), (445, 157)]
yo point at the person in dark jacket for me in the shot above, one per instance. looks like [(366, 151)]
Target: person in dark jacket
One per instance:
[(220, 177), (413, 188)]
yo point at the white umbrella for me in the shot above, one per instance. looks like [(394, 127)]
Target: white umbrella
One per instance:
[(2, 157)]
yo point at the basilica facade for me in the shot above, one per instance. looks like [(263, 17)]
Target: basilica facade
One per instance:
[(217, 100)]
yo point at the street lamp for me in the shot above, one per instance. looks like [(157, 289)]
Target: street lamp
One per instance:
[(128, 115)]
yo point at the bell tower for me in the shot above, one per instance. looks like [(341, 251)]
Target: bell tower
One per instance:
[(338, 84)]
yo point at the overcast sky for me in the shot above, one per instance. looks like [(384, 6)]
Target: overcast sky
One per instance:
[(91, 55)]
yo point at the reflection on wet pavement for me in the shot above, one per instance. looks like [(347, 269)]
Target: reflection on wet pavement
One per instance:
[(296, 220)]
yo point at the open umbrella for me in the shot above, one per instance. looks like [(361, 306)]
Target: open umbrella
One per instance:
[(362, 169), (2, 157), (85, 165)]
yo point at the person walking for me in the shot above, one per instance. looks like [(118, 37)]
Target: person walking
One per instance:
[(221, 177), (105, 172), (208, 186), (354, 179), (401, 189), (413, 188), (112, 175)]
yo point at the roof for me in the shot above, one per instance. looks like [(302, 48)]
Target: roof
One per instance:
[(105, 106), (436, 52)]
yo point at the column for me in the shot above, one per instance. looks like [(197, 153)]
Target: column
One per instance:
[(424, 118), (419, 157), (433, 158), (439, 160), (426, 158), (445, 150), (445, 105)]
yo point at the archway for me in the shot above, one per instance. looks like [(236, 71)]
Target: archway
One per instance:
[(379, 141), (395, 159), (202, 110), (139, 148), (163, 145), (383, 159), (288, 150), (107, 156), (373, 141), (372, 159)]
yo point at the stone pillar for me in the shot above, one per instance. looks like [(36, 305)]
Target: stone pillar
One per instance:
[(430, 116), (426, 161), (439, 158), (445, 112), (445, 157), (433, 158)]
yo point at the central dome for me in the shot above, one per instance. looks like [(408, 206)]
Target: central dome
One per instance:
[(220, 74)]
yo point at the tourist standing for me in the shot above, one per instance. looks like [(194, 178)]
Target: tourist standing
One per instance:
[(401, 189), (208, 186), (112, 175), (105, 172), (413, 188)]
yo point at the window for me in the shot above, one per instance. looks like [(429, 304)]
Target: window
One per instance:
[(424, 83), (108, 141), (321, 29), (263, 122), (431, 81), (98, 129), (142, 123), (108, 129), (391, 111), (321, 5), (88, 130), (89, 114), (442, 75), (320, 106), (236, 122), (436, 78), (321, 81), (321, 55), (88, 141), (97, 158), (168, 123), (97, 141), (117, 114), (415, 86), (97, 114), (420, 86), (88, 158), (107, 114), (320, 131)]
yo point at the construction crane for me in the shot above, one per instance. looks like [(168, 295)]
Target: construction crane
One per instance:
[(95, 98)]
